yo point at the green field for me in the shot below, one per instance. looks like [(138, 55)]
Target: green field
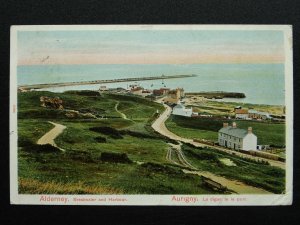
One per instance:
[(221, 108), (82, 167), (229, 106), (206, 128)]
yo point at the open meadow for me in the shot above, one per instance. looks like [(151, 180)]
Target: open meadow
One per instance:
[(136, 155)]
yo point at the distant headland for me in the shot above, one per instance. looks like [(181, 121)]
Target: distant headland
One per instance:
[(217, 94)]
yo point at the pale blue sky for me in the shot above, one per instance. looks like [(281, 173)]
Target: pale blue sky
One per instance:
[(149, 46)]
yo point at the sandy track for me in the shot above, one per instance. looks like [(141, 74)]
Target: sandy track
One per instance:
[(49, 137), (236, 186), (122, 114), (160, 127)]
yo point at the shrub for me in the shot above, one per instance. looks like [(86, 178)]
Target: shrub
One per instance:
[(137, 134), (82, 156), (41, 113), (84, 93), (275, 172), (113, 133), (201, 155), (100, 139), (23, 142), (192, 146), (173, 141), (277, 146), (160, 168), (115, 157), (41, 148)]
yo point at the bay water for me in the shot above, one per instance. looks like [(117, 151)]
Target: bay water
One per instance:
[(261, 83)]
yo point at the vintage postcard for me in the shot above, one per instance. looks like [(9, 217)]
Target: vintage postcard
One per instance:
[(151, 115)]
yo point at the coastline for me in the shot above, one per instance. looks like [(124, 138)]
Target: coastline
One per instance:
[(211, 77)]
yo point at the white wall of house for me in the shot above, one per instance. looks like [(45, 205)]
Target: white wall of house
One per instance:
[(241, 116), (182, 111), (249, 142)]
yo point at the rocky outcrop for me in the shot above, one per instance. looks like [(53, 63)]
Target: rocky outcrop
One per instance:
[(77, 114), (55, 103)]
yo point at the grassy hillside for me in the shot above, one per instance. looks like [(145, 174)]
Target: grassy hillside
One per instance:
[(81, 169), (29, 104)]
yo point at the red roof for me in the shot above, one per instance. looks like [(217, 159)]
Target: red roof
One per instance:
[(241, 111), (136, 89)]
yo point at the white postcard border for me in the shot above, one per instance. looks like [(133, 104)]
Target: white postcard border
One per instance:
[(211, 200)]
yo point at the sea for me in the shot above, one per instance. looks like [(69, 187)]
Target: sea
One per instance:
[(261, 83)]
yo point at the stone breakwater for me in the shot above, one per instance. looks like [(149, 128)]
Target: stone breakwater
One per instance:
[(50, 85)]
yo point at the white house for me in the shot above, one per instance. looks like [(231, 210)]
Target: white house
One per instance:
[(180, 110), (236, 138), (241, 114)]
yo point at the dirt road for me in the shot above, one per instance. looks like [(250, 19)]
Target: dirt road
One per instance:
[(49, 137), (160, 127), (236, 186)]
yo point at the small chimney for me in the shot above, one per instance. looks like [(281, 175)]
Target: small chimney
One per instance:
[(249, 130), (225, 124), (234, 125)]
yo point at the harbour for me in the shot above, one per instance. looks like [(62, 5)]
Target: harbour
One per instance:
[(76, 83), (239, 78)]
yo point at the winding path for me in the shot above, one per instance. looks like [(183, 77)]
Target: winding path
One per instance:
[(122, 114), (160, 127), (49, 137)]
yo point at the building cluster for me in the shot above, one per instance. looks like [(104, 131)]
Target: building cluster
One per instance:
[(171, 96), (161, 91), (250, 114)]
